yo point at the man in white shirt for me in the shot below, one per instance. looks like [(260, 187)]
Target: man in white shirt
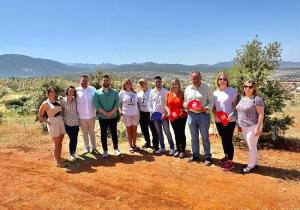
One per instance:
[(157, 104), (145, 122), (87, 113), (199, 119)]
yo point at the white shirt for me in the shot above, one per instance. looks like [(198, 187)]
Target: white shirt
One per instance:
[(129, 103), (85, 102), (157, 100), (224, 99), (202, 93), (143, 99)]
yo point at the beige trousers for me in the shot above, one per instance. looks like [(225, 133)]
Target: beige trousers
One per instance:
[(88, 132)]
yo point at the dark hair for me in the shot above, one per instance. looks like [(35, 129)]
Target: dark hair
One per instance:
[(157, 77), (196, 72), (68, 88), (105, 76), (49, 89), (84, 75)]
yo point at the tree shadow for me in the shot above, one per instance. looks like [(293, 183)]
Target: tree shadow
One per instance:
[(290, 145), (88, 163), (279, 173)]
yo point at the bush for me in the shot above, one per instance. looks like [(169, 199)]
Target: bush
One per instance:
[(15, 103), (1, 118)]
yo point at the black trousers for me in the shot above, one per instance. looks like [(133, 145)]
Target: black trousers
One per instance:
[(226, 133), (178, 126), (145, 124), (112, 124), (72, 132)]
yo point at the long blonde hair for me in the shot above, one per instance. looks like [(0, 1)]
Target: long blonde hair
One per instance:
[(180, 92)]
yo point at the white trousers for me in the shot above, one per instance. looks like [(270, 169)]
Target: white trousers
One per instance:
[(251, 139)]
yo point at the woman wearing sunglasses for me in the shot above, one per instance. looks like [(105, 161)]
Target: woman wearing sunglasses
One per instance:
[(250, 111), (225, 100)]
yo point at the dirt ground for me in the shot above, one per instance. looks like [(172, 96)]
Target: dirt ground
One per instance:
[(30, 180)]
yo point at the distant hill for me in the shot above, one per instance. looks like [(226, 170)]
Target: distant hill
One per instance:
[(14, 65)]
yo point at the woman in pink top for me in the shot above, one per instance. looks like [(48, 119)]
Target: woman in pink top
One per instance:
[(175, 110)]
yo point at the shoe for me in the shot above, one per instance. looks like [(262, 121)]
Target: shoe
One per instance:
[(163, 149), (145, 146), (207, 162), (224, 160), (135, 148), (181, 155), (61, 165), (117, 152), (255, 167), (86, 150), (228, 166), (194, 159), (95, 151), (176, 154), (72, 158), (131, 149), (76, 156), (171, 152), (246, 170), (105, 154), (158, 151)]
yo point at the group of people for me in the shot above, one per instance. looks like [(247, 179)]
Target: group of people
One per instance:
[(156, 109)]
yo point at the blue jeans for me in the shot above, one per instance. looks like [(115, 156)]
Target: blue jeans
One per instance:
[(196, 122), (164, 124)]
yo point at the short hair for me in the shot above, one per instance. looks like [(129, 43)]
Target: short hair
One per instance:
[(157, 77), (84, 76), (105, 76), (70, 87), (196, 72), (49, 89), (219, 75)]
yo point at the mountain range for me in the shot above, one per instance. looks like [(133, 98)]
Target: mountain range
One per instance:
[(15, 65)]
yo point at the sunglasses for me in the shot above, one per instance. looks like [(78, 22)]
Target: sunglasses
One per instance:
[(224, 79), (250, 87)]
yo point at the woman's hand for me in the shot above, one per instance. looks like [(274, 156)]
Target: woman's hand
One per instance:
[(257, 131), (164, 116)]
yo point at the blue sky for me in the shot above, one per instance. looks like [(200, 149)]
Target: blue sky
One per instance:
[(163, 31)]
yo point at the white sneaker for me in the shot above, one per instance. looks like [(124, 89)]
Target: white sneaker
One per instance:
[(162, 149), (157, 151), (72, 158), (105, 154), (117, 152), (75, 156), (172, 152), (86, 151)]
